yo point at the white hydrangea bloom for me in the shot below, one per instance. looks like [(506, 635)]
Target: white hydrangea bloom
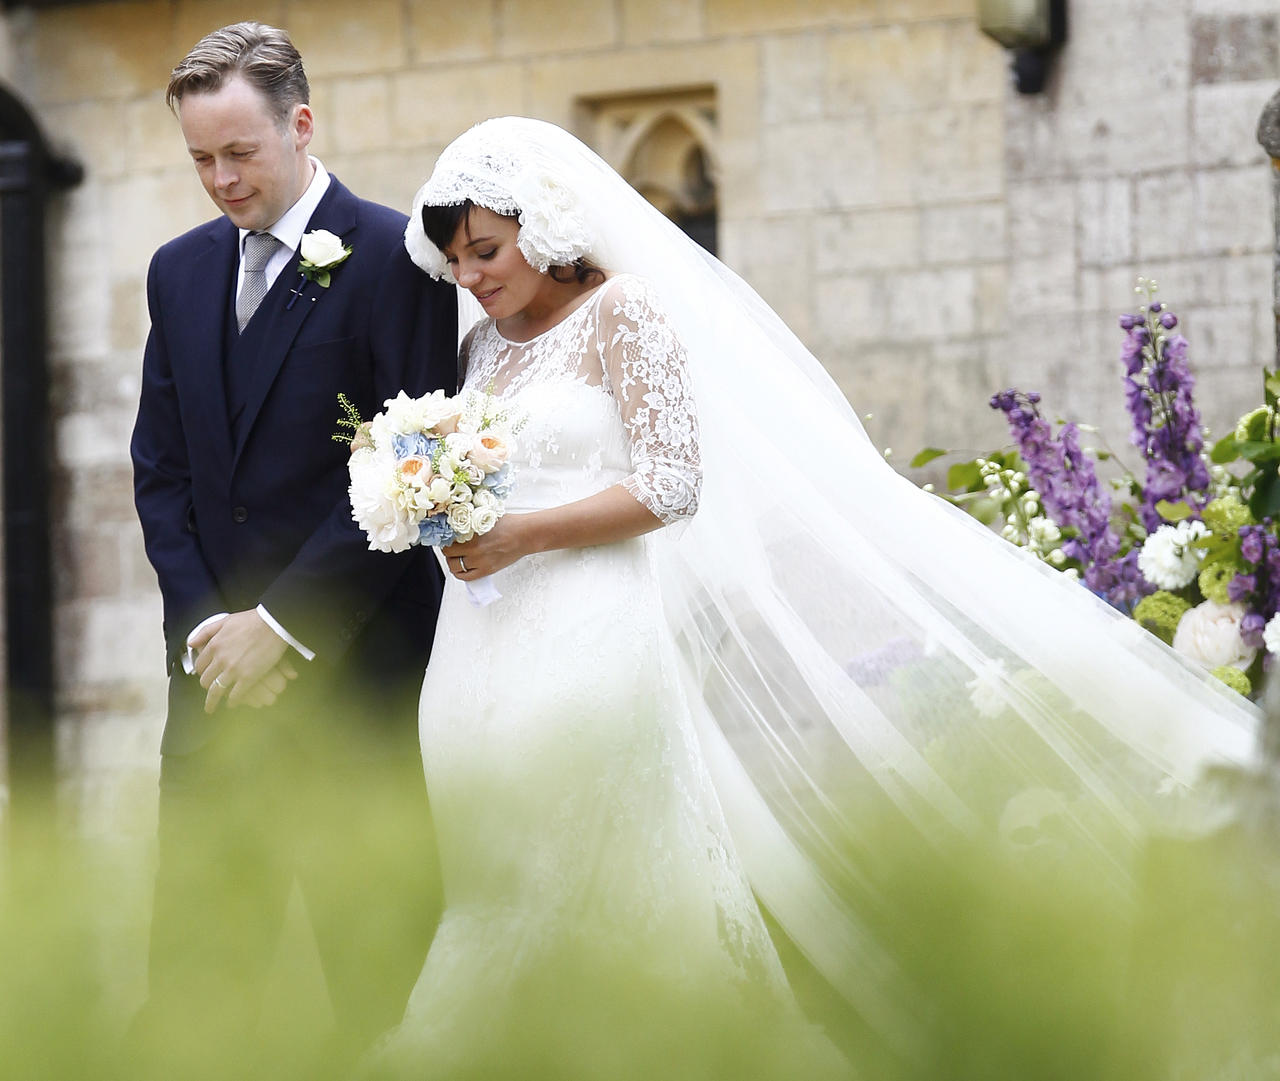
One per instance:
[(1168, 558)]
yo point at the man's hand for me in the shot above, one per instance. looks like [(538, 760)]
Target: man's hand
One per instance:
[(236, 655), (270, 687)]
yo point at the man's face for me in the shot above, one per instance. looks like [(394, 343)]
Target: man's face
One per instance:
[(253, 167)]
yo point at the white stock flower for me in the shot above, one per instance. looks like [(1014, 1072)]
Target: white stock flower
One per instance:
[(1168, 558), (1210, 634), (322, 248)]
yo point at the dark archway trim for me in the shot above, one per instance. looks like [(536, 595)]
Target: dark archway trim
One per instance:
[(30, 172)]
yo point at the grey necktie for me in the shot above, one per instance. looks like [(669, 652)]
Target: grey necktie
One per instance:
[(258, 250)]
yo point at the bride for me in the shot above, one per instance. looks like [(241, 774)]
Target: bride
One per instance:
[(732, 644)]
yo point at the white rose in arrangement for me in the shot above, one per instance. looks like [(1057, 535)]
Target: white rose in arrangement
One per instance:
[(472, 473), (483, 519), (460, 493), (484, 498), (460, 519), (1168, 558), (323, 249), (1210, 634)]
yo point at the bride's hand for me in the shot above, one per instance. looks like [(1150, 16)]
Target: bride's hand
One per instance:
[(487, 554)]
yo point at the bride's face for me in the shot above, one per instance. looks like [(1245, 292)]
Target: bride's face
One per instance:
[(484, 259)]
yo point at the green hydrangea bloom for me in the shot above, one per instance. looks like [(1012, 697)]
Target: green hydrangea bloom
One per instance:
[(1215, 577), (1160, 613), (1225, 515), (1253, 425), (1233, 678)]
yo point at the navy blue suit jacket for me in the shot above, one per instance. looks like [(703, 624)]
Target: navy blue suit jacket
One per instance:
[(249, 506)]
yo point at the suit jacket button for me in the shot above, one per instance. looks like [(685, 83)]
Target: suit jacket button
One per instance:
[(239, 514)]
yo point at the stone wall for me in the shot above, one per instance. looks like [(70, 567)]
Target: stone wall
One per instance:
[(929, 233)]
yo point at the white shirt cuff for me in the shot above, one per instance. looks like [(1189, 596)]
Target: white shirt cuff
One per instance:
[(308, 654), (189, 656)]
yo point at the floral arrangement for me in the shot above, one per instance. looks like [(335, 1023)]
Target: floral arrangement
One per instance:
[(432, 470), (1191, 547)]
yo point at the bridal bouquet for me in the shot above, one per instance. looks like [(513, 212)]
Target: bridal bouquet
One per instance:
[(1190, 545), (432, 470)]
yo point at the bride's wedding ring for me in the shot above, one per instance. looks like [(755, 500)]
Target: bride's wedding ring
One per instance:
[(218, 681), (462, 564)]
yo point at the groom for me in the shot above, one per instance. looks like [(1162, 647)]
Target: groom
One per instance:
[(271, 596)]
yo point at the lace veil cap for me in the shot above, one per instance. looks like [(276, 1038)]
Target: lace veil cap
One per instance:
[(859, 651), (498, 166)]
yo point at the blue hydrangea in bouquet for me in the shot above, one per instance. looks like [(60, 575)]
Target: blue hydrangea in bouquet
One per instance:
[(1188, 544)]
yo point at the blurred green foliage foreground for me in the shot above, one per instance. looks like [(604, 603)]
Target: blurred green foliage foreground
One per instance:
[(1031, 970)]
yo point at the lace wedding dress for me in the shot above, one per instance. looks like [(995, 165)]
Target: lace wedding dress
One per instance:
[(597, 922)]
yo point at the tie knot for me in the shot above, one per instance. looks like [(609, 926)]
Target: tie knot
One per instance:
[(258, 250)]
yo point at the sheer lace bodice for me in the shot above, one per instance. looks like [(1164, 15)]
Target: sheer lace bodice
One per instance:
[(616, 358)]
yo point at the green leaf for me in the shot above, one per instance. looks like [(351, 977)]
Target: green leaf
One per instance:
[(964, 475), (1271, 386), (1173, 512), (1225, 450), (927, 455), (322, 279), (1259, 451), (1265, 500)]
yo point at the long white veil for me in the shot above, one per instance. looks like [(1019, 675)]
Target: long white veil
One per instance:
[(862, 651)]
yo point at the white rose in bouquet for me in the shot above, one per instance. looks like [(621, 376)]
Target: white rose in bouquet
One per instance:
[(1210, 634), (461, 520)]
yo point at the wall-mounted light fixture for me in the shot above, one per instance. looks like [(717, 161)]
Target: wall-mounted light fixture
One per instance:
[(1032, 30)]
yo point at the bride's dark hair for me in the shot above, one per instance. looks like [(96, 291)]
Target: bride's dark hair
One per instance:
[(440, 223)]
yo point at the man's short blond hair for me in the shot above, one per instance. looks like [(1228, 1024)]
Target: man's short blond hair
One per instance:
[(264, 56)]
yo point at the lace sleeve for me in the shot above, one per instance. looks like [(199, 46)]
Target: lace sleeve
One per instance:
[(645, 371)]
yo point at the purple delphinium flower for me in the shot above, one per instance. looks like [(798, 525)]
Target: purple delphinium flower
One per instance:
[(1166, 424), (1258, 587), (1069, 490)]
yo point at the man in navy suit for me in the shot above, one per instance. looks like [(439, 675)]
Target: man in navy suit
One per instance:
[(272, 598)]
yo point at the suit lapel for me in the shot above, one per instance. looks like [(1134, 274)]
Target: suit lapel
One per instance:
[(288, 304), (210, 281)]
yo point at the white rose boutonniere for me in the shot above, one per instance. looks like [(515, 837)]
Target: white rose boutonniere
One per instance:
[(321, 251)]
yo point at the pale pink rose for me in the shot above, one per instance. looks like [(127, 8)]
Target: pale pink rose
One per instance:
[(489, 451), (1210, 634)]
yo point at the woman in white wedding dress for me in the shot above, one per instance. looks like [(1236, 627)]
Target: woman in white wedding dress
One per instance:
[(730, 643)]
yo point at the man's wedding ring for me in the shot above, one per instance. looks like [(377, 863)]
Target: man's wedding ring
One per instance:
[(462, 564)]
